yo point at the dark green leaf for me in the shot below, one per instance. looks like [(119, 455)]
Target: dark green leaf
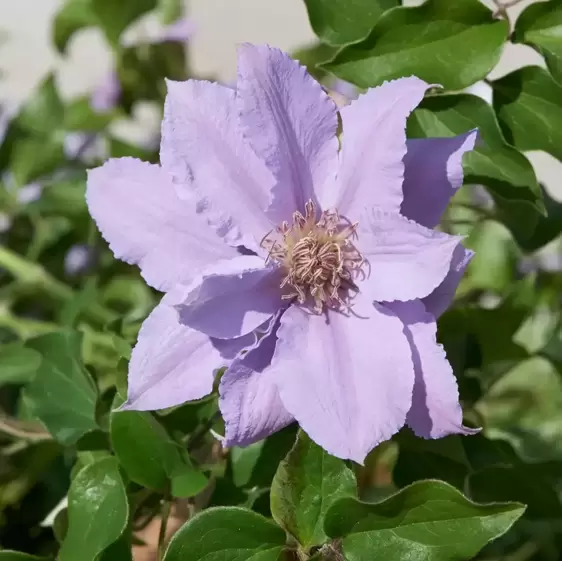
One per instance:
[(18, 364), (312, 56), (428, 521), (344, 21), (306, 484), (6, 555), (97, 511), (227, 534), (149, 456), (80, 116), (428, 41), (506, 173), (528, 106), (73, 16), (62, 395), (115, 17), (539, 26)]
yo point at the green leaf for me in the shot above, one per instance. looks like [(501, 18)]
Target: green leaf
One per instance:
[(80, 116), (427, 521), (73, 16), (428, 41), (115, 17), (504, 171), (34, 157), (44, 111), (227, 534), (62, 395), (6, 555), (344, 21), (308, 481), (97, 511), (540, 26), (149, 456), (18, 364), (170, 10), (527, 103)]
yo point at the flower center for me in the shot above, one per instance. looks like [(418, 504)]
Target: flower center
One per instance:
[(318, 257)]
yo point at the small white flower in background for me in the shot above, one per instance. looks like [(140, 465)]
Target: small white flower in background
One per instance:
[(78, 259)]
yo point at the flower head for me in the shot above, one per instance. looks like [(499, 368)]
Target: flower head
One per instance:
[(312, 272)]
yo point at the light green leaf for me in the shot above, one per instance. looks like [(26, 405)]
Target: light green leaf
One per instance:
[(528, 106), (62, 395), (227, 534), (170, 10), (427, 521), (337, 22), (97, 511), (540, 26), (308, 481), (504, 171), (18, 364), (429, 41), (149, 456), (34, 157)]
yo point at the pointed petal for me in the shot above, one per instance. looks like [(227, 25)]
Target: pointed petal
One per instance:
[(137, 211), (438, 301), (209, 161), (405, 260), (435, 411), (232, 299), (171, 363), (374, 144), (290, 123), (433, 173), (249, 399), (346, 379)]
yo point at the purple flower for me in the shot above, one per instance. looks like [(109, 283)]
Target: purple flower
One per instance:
[(313, 273)]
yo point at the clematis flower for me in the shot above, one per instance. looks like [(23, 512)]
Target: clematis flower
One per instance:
[(312, 272)]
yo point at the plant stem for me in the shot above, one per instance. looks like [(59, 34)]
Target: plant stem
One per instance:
[(20, 430), (165, 515)]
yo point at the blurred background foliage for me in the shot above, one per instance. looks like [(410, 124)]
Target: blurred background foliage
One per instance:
[(70, 313)]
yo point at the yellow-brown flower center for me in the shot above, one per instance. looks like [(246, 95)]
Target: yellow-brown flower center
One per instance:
[(318, 257)]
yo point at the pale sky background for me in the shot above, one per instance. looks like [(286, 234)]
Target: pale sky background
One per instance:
[(26, 54)]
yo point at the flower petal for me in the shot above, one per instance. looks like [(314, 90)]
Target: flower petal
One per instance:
[(209, 160), (433, 172), (346, 379), (435, 411), (290, 123), (232, 299), (171, 363), (249, 399), (137, 211), (405, 260), (374, 144), (438, 301)]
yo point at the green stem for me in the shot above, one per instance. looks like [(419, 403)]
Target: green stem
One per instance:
[(32, 274), (165, 515)]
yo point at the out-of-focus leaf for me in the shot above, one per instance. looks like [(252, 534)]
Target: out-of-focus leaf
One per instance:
[(62, 394), (34, 157), (97, 511), (524, 407), (131, 297), (539, 26), (72, 309), (115, 17), (306, 484), (79, 116), (66, 198), (504, 171), (44, 111), (528, 106), (428, 41), (149, 456), (228, 534), (428, 521), (495, 258), (344, 21), (18, 364), (73, 16), (170, 10), (312, 56)]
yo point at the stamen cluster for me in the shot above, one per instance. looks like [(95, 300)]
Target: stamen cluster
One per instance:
[(318, 256)]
